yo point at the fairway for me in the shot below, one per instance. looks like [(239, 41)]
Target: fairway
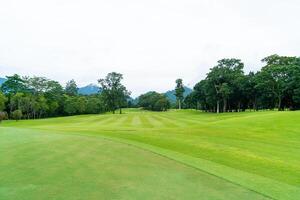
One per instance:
[(152, 155)]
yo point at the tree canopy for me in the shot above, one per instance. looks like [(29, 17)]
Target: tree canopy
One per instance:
[(153, 101), (226, 88), (114, 93), (179, 90), (226, 85)]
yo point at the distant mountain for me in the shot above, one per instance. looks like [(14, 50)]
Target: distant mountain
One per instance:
[(89, 89), (2, 80), (171, 94)]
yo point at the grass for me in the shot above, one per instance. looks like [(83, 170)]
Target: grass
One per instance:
[(147, 155)]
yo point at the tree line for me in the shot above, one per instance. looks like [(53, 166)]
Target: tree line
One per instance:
[(39, 97), (227, 88)]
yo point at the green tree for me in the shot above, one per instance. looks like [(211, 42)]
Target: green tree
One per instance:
[(26, 103), (16, 115), (81, 105), (71, 88), (41, 106), (13, 84), (154, 101), (114, 94), (70, 105), (3, 116), (3, 100), (94, 105), (15, 101), (179, 90), (249, 90), (190, 101), (162, 104), (54, 95), (36, 85), (276, 76), (221, 79)]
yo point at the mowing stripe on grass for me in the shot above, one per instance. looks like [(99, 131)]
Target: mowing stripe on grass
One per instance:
[(136, 121), (145, 121), (154, 122)]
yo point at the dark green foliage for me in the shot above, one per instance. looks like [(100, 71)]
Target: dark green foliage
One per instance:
[(154, 101), (13, 84), (3, 116), (39, 97), (114, 94), (94, 105), (279, 80), (227, 88), (71, 88), (71, 105), (3, 100), (179, 90), (16, 115)]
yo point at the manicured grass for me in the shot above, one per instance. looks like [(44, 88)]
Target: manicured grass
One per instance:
[(147, 155)]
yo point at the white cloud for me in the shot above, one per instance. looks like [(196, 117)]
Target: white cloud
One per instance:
[(151, 42)]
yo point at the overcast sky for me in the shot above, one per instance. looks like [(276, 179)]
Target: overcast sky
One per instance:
[(151, 42)]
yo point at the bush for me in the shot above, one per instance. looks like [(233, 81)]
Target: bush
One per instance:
[(17, 115), (3, 116)]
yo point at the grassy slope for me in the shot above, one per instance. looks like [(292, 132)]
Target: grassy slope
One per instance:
[(192, 154)]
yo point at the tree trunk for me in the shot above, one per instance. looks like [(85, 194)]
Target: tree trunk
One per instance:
[(120, 110), (279, 103), (224, 104), (179, 104), (218, 106)]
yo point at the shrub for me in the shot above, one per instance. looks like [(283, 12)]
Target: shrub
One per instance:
[(3, 116), (17, 115)]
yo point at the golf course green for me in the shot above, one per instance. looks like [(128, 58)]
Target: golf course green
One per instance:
[(182, 154)]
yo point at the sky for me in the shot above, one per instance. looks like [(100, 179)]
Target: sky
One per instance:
[(152, 43)]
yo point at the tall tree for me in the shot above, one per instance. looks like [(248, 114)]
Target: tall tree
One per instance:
[(276, 78), (13, 84), (54, 95), (36, 84), (15, 101), (71, 88), (221, 78), (179, 90), (113, 92)]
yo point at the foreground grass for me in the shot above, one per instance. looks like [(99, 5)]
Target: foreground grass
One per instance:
[(146, 155)]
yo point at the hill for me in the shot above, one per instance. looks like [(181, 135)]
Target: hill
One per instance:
[(171, 94), (89, 89), (2, 80)]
